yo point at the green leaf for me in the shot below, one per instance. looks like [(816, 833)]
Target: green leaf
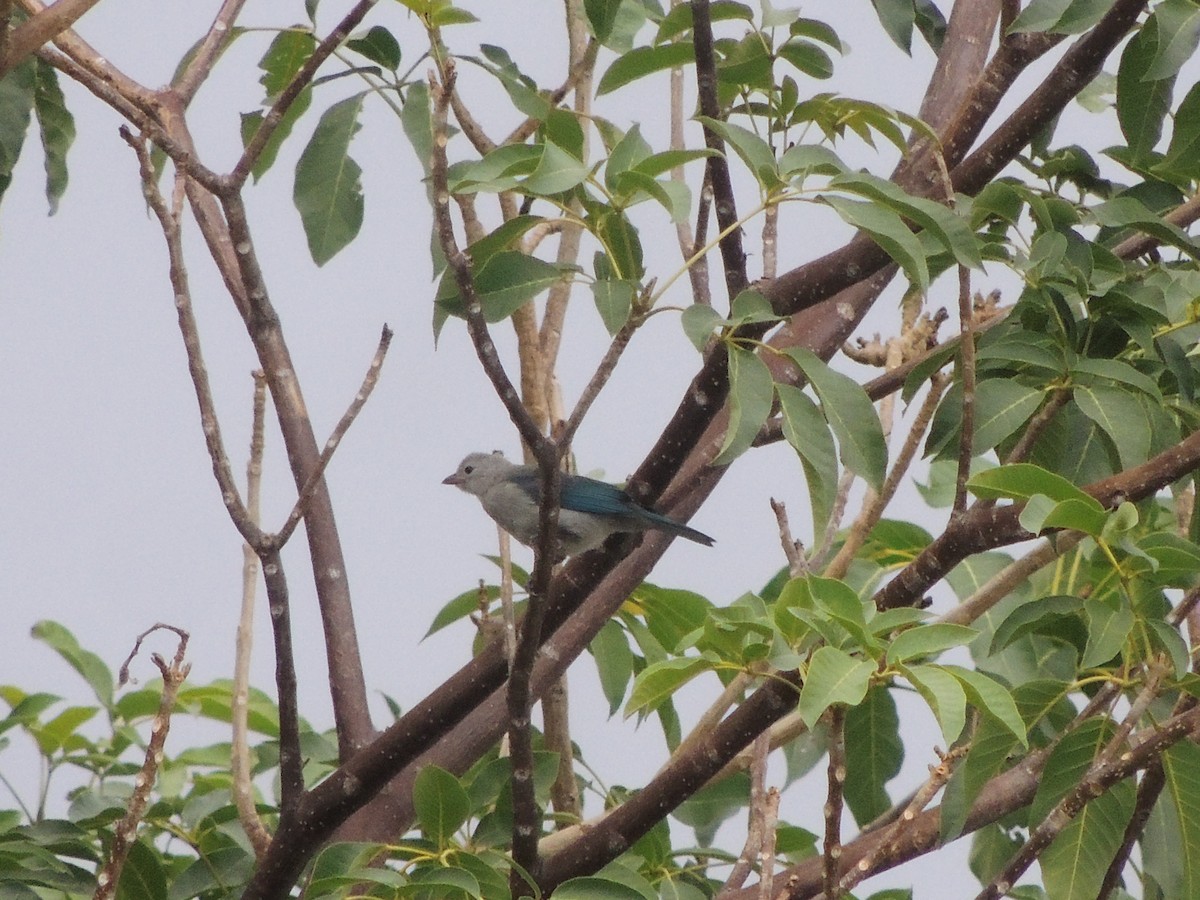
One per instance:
[(658, 681), (57, 128), (874, 754), (1108, 629), (699, 321), (679, 18), (1075, 863), (642, 61), (888, 230), (928, 640), (808, 433), (942, 223), (460, 607), (440, 803), (751, 392), (992, 698), (1142, 101), (945, 696), (1183, 153), (602, 16), (1059, 616), (505, 283), (1121, 417), (850, 414), (1060, 16), (17, 92), (1129, 212), (706, 809), (328, 189), (614, 662), (833, 676), (614, 300), (1020, 481), (753, 151), (87, 664), (897, 18), (1181, 766), (596, 887), (1177, 31), (557, 171), (807, 57), (378, 45)]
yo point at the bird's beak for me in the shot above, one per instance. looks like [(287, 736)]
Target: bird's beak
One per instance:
[(454, 479)]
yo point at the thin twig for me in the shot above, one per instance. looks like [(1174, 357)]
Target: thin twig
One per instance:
[(209, 50), (335, 439), (1037, 425), (966, 375), (732, 254), (209, 421), (756, 821), (243, 785), (835, 782), (291, 761), (793, 550), (125, 831)]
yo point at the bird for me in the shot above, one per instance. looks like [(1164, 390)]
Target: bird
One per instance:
[(589, 510)]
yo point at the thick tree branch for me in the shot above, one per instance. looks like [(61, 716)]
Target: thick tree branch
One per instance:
[(40, 28)]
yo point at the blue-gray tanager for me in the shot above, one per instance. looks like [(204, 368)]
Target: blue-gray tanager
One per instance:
[(589, 512)]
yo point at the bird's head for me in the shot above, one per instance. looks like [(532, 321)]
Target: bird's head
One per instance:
[(480, 472)]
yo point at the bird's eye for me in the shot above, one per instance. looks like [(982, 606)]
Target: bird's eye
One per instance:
[(467, 470)]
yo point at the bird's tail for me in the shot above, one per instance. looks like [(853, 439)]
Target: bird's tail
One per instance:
[(663, 523)]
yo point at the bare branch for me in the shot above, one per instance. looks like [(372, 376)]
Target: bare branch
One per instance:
[(40, 28), (125, 831), (211, 46), (835, 782), (243, 785), (316, 476), (966, 375)]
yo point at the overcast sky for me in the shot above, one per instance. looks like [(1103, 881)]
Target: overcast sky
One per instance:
[(113, 519)]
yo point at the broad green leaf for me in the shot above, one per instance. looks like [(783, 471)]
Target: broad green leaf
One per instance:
[(1121, 417), (897, 18), (679, 18), (1001, 407), (751, 393), (1142, 101), (557, 171), (928, 640), (658, 681), (445, 881), (1108, 629), (17, 92), (602, 16), (753, 150), (1181, 766), (57, 733), (57, 127), (642, 61), (505, 283), (1020, 481), (808, 433), (1129, 212), (945, 696), (807, 57), (1060, 615), (212, 873), (850, 414), (874, 754), (1183, 153), (888, 230), (440, 804), (833, 676), (621, 242), (627, 153), (671, 614), (706, 809), (614, 662), (1060, 16), (942, 223), (1177, 30), (461, 606), (992, 698), (1119, 371), (328, 188), (1075, 863), (699, 321), (378, 45), (614, 300), (85, 662)]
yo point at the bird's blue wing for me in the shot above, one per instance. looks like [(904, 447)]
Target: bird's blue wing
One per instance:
[(579, 494), (587, 495)]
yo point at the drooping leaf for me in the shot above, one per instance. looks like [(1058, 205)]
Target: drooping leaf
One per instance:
[(874, 754), (642, 61), (90, 666), (614, 662), (658, 681), (17, 92), (850, 414), (751, 392), (1142, 101), (833, 676), (57, 128), (888, 230), (808, 433), (328, 188), (378, 45)]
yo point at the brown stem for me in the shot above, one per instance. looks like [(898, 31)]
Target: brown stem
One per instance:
[(966, 373), (40, 28), (835, 783)]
